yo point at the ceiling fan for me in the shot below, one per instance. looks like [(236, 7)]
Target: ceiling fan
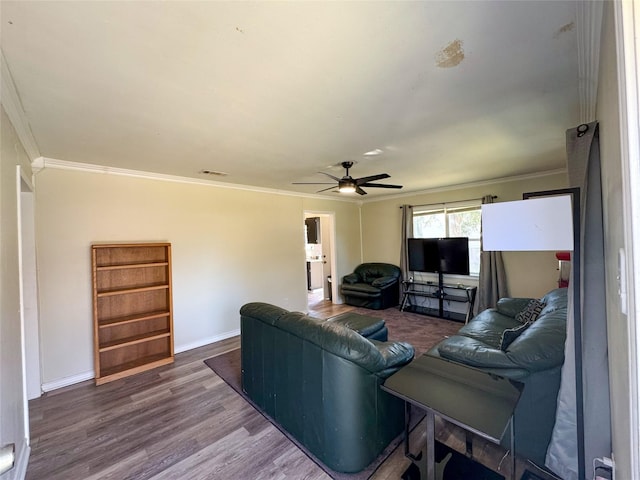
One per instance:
[(347, 184)]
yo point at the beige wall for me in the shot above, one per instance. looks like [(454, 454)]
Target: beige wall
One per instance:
[(229, 247), (617, 323), (12, 428), (528, 274)]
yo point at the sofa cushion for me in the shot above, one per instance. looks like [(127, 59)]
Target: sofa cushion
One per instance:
[(343, 342), (512, 306), (362, 288), (350, 278), (541, 345), (475, 353), (530, 312), (363, 324), (381, 282), (487, 327), (510, 334), (554, 300), (368, 272)]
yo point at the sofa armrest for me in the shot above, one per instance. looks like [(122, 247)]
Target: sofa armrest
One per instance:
[(395, 355), (474, 353), (541, 345), (351, 278), (265, 312), (512, 306), (384, 282)]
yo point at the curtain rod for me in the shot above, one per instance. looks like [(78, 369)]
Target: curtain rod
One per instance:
[(455, 201)]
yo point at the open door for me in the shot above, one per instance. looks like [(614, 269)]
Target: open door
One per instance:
[(320, 257)]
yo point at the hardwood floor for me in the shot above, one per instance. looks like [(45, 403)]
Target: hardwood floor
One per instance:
[(320, 308), (179, 421)]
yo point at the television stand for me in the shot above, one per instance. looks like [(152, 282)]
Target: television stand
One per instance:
[(445, 293)]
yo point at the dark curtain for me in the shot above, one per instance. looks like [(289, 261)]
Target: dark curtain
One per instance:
[(492, 282), (583, 161), (406, 232)]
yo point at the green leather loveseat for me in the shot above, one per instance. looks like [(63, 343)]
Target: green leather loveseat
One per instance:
[(320, 381), (534, 357)]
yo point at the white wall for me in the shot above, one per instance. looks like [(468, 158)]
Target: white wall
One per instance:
[(229, 247), (529, 274), (12, 429), (617, 324)]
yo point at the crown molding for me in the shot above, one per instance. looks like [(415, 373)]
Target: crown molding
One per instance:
[(43, 163), (588, 29), (484, 183), (10, 100)]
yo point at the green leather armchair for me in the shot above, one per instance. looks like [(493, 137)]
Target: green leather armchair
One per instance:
[(372, 285), (320, 381)]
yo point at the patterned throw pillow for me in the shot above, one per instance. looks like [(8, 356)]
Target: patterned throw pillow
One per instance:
[(529, 313), (510, 334)]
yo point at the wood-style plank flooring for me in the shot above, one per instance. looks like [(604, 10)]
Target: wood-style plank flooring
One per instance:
[(181, 421)]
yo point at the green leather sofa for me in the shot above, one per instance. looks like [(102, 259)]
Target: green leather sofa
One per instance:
[(535, 358), (372, 285), (320, 381)]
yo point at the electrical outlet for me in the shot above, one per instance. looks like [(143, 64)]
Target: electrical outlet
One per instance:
[(602, 468)]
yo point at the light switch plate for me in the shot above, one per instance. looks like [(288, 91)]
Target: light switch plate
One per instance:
[(622, 280)]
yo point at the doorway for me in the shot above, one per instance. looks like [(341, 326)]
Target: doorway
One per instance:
[(320, 258)]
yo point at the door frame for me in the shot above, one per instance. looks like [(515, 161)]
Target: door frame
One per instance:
[(29, 315), (331, 218), (627, 27)]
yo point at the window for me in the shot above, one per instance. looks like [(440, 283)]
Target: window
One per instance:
[(451, 220)]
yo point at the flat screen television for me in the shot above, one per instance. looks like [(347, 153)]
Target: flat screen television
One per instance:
[(439, 255)]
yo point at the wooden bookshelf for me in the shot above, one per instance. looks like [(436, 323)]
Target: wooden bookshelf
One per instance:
[(132, 308)]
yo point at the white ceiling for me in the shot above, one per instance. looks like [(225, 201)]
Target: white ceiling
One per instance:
[(451, 92)]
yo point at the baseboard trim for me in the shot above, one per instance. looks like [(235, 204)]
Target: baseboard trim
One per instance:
[(206, 341), (82, 377), (66, 381), (23, 461)]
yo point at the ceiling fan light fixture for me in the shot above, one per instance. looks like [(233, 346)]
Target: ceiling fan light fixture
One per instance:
[(346, 186)]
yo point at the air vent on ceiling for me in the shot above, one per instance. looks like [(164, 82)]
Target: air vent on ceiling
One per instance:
[(213, 172)]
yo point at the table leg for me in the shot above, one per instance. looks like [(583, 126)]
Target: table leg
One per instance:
[(513, 448), (407, 432), (403, 305), (431, 444), (417, 469)]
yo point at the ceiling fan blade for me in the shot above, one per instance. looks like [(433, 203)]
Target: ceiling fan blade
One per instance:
[(381, 185), (348, 182), (363, 180), (312, 183), (330, 176), (325, 189)]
